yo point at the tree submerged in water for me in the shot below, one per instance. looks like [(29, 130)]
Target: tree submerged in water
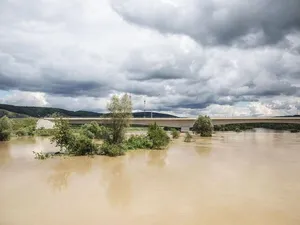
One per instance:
[(5, 128), (203, 126)]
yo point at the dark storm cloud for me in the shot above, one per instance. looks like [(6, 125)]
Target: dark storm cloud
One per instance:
[(245, 23), (54, 85)]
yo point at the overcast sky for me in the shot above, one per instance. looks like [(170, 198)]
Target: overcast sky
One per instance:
[(186, 57)]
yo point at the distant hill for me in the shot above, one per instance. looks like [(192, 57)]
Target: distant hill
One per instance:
[(32, 111), (290, 116), (9, 114)]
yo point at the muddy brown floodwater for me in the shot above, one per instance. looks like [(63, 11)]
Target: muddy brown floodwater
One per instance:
[(231, 178)]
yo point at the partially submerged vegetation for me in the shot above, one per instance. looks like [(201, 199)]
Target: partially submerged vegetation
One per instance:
[(203, 126), (114, 143), (188, 137), (294, 128), (80, 140), (175, 133), (5, 129)]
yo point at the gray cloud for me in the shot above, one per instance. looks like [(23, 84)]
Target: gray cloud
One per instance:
[(242, 23)]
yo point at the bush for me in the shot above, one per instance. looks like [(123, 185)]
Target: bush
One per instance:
[(138, 142), (203, 126), (21, 132), (112, 149), (81, 145), (188, 137), (158, 136), (99, 132), (5, 128), (175, 133), (87, 133)]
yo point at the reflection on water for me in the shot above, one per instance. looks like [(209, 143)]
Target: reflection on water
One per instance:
[(61, 171), (157, 158), (116, 180), (232, 178)]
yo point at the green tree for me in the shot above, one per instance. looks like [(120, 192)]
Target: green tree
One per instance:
[(203, 126), (62, 133), (5, 128), (158, 136), (120, 111)]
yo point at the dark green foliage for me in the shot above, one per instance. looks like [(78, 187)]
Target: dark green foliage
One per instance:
[(81, 145), (62, 133), (203, 126), (188, 137), (158, 136), (112, 149), (138, 142), (175, 133), (245, 126), (5, 128), (295, 131)]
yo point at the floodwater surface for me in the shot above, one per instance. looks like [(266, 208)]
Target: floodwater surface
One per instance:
[(232, 178)]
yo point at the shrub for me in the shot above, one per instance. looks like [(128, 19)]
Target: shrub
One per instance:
[(21, 132), (30, 130), (158, 136), (138, 142), (238, 130), (81, 145), (203, 126), (175, 133), (93, 128), (87, 133), (112, 149), (5, 128), (188, 137)]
